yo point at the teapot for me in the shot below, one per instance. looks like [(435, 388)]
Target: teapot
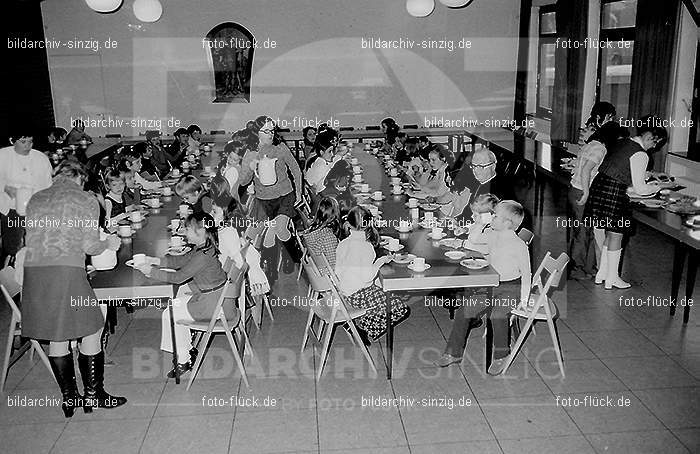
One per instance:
[(265, 171), (107, 259)]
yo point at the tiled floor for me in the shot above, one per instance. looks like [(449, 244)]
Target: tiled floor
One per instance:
[(637, 357)]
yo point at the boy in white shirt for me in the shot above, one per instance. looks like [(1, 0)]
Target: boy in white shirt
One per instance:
[(510, 258)]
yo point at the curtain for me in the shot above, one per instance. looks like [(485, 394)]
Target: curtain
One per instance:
[(653, 59), (569, 70)]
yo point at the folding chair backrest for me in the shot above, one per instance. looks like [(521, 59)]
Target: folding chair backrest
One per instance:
[(331, 272), (10, 288), (554, 267), (526, 236), (318, 282)]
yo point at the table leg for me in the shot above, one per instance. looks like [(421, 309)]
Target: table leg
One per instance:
[(172, 334), (389, 340), (489, 333), (690, 283), (111, 318), (678, 260)]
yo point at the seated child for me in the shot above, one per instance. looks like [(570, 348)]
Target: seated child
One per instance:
[(114, 198), (357, 269), (510, 258), (199, 297), (194, 194), (337, 185), (322, 236), (482, 209), (132, 193), (131, 159)]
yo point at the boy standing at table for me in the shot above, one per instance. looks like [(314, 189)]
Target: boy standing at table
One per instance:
[(510, 258)]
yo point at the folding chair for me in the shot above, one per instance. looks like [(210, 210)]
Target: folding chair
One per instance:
[(526, 235), (331, 312), (10, 288), (304, 252), (234, 288), (544, 308)]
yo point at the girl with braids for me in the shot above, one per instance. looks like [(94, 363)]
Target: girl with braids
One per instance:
[(198, 297), (357, 268)]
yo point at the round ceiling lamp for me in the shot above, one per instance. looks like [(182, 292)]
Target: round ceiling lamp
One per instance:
[(420, 8), (148, 10), (455, 3), (104, 6)]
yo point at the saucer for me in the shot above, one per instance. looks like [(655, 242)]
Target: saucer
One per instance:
[(378, 200), (182, 250), (386, 246), (403, 259), (409, 206), (429, 206), (652, 203), (451, 242), (427, 267), (455, 255), (475, 263)]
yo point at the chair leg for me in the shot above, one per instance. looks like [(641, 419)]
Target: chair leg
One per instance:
[(8, 352), (555, 341), (309, 321), (236, 354), (42, 355), (266, 303), (200, 358), (519, 342), (31, 355), (363, 347), (326, 345)]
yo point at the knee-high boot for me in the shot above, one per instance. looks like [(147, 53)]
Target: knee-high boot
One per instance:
[(602, 273), (64, 370), (92, 370), (613, 278)]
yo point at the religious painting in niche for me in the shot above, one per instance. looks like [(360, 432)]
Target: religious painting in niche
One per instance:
[(231, 48)]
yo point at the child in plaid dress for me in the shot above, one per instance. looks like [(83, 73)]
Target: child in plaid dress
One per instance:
[(356, 269)]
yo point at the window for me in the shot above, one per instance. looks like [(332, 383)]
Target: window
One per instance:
[(545, 66), (617, 23)]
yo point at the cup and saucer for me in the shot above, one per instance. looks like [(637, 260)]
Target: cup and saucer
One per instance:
[(393, 245), (437, 234), (404, 227), (418, 265)]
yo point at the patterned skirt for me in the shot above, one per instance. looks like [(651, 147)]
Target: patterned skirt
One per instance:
[(374, 320), (608, 206)]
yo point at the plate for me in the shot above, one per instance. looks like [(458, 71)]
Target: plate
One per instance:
[(455, 255), (403, 259), (427, 267), (393, 250), (474, 263), (652, 203), (634, 195), (451, 242), (378, 200), (182, 250)]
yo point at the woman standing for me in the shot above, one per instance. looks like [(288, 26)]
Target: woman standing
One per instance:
[(608, 203), (58, 303), (269, 164)]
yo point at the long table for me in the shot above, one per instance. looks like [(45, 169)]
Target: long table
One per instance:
[(444, 273), (546, 162)]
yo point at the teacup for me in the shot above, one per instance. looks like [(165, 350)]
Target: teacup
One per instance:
[(368, 146), (377, 195), (124, 230), (393, 172), (357, 178), (412, 203), (153, 203), (139, 259), (185, 165), (356, 169), (414, 213), (174, 224), (207, 148), (354, 161), (404, 225), (428, 215), (364, 187), (393, 244), (191, 158), (167, 190), (396, 190), (135, 216), (176, 172), (374, 210), (183, 208), (418, 264), (177, 241), (395, 180), (436, 232)]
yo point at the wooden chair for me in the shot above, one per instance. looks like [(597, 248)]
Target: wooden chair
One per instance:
[(543, 308), (10, 289), (331, 312), (234, 287)]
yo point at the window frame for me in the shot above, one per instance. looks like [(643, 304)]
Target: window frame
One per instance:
[(611, 34), (543, 39)]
